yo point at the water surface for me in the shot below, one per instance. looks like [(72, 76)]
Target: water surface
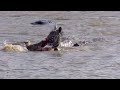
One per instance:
[(99, 58)]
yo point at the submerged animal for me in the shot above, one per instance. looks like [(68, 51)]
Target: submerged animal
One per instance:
[(53, 40), (41, 22), (9, 47), (36, 47)]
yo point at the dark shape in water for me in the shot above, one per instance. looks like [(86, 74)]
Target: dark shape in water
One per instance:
[(53, 38), (75, 45), (36, 47), (41, 22)]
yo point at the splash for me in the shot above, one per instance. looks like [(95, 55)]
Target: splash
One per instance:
[(12, 48), (66, 43)]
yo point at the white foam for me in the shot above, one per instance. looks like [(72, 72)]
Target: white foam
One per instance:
[(13, 48), (66, 43)]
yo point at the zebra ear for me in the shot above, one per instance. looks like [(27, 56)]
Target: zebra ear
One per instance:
[(60, 29)]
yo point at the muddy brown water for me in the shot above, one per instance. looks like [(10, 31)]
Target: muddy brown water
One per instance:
[(99, 58)]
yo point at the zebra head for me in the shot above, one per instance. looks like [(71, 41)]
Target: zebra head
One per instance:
[(53, 39)]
